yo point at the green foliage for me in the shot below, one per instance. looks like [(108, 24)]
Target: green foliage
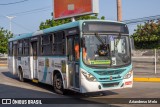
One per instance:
[(147, 36), (4, 36), (51, 23)]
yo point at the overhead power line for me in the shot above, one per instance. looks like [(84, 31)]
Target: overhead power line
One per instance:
[(27, 29), (31, 11), (144, 19), (28, 12), (14, 2)]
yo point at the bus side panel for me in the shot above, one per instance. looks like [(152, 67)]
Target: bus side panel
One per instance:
[(59, 64), (15, 67), (46, 68), (31, 67), (42, 70), (25, 63), (10, 64)]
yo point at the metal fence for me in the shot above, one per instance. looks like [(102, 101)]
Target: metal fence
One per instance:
[(146, 63)]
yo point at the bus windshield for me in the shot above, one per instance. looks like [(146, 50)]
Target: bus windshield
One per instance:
[(106, 50)]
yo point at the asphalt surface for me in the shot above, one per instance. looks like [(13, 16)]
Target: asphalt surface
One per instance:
[(11, 87)]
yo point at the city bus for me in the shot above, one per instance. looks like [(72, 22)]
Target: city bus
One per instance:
[(82, 56)]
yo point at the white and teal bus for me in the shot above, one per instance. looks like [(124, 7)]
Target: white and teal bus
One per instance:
[(83, 56)]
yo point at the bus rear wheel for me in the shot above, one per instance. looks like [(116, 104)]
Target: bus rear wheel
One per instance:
[(58, 84)]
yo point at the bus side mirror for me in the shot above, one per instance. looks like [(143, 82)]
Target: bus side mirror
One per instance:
[(82, 42)]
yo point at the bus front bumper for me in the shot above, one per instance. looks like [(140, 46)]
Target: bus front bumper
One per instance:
[(87, 86)]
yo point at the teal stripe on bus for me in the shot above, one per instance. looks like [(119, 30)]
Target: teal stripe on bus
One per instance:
[(45, 74), (21, 36), (61, 27)]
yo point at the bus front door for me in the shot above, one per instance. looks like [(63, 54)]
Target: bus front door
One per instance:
[(34, 53), (73, 53)]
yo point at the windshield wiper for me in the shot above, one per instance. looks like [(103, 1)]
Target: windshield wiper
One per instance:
[(119, 37), (99, 38)]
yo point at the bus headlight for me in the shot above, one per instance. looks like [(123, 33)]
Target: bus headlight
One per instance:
[(128, 75), (89, 76)]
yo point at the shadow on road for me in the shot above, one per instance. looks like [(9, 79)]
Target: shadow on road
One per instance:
[(8, 74), (89, 95), (68, 92), (70, 97), (18, 93), (40, 85)]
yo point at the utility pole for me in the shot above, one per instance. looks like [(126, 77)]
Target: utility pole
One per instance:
[(10, 22), (119, 10)]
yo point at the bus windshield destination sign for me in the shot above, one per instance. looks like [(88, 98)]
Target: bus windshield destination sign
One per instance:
[(104, 27)]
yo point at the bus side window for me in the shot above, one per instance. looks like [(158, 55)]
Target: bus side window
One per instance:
[(46, 44), (26, 47), (20, 47), (10, 49), (59, 43)]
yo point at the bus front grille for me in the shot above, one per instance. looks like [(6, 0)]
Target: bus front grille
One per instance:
[(108, 79), (110, 84), (112, 72)]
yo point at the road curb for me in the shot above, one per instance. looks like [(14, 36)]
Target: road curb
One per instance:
[(139, 79), (3, 65)]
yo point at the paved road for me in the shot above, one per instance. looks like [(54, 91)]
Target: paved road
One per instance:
[(10, 87)]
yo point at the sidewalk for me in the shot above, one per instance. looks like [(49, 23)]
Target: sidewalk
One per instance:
[(3, 65), (146, 75), (3, 62), (144, 68), (142, 79)]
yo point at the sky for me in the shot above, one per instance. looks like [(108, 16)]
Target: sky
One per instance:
[(30, 20)]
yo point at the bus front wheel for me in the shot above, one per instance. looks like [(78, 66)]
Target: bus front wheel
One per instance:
[(58, 84)]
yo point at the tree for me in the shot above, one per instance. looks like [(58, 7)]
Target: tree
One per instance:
[(147, 36), (4, 36), (51, 23)]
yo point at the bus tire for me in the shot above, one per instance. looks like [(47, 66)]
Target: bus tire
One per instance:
[(21, 75), (58, 83)]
